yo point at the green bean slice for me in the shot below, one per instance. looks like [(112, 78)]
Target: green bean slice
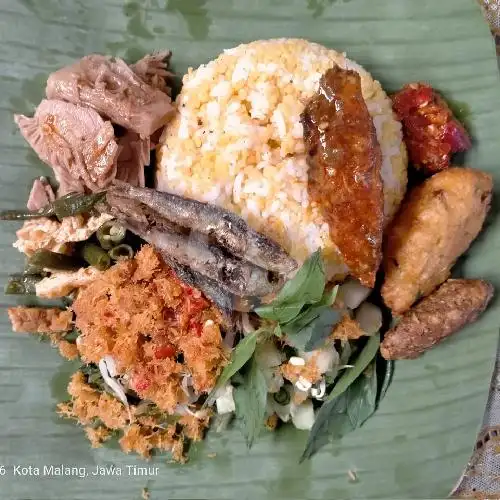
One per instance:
[(110, 234), (45, 259), (22, 284), (121, 252), (71, 204), (96, 256)]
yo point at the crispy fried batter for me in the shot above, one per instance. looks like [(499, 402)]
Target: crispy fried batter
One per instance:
[(67, 349), (143, 440), (194, 428), (139, 313), (97, 435), (345, 171), (453, 305), (88, 404), (347, 329), (142, 435), (309, 371), (62, 283), (436, 225), (40, 320), (48, 234)]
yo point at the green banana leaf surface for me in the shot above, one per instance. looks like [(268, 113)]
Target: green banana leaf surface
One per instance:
[(419, 441)]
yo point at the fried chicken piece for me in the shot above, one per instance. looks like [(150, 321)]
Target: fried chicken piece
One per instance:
[(40, 320), (194, 427), (453, 305), (345, 170), (435, 225)]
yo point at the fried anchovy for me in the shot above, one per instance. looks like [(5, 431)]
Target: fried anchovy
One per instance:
[(227, 229), (234, 275)]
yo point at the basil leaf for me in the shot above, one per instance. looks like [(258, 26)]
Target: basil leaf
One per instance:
[(329, 297), (387, 378), (310, 328), (250, 400), (347, 412), (363, 360), (239, 356), (334, 405), (306, 287), (362, 397), (279, 312), (321, 328)]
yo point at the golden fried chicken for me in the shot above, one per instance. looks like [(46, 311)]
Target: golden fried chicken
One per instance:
[(435, 225), (453, 305)]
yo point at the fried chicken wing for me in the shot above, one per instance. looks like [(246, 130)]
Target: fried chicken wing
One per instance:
[(345, 170), (436, 225), (453, 305)]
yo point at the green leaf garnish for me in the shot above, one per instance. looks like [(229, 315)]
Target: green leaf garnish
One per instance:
[(306, 287), (311, 327), (250, 399), (328, 415), (239, 357)]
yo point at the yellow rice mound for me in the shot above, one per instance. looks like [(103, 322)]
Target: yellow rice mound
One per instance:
[(237, 141)]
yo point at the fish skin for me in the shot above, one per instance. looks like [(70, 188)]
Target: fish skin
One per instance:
[(227, 229), (236, 276)]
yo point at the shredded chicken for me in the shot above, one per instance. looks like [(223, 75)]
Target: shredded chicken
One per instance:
[(40, 320), (53, 235), (146, 342), (62, 283)]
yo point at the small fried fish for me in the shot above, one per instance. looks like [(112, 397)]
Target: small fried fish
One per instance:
[(227, 229)]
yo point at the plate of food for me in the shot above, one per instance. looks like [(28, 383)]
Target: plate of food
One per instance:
[(256, 241)]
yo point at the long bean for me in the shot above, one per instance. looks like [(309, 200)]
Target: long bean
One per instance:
[(22, 284), (72, 204), (110, 234), (96, 256), (121, 252), (45, 259)]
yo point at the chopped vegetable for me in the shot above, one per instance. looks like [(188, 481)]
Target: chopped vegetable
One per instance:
[(111, 234), (45, 259), (22, 284), (72, 204), (96, 256), (121, 252)]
